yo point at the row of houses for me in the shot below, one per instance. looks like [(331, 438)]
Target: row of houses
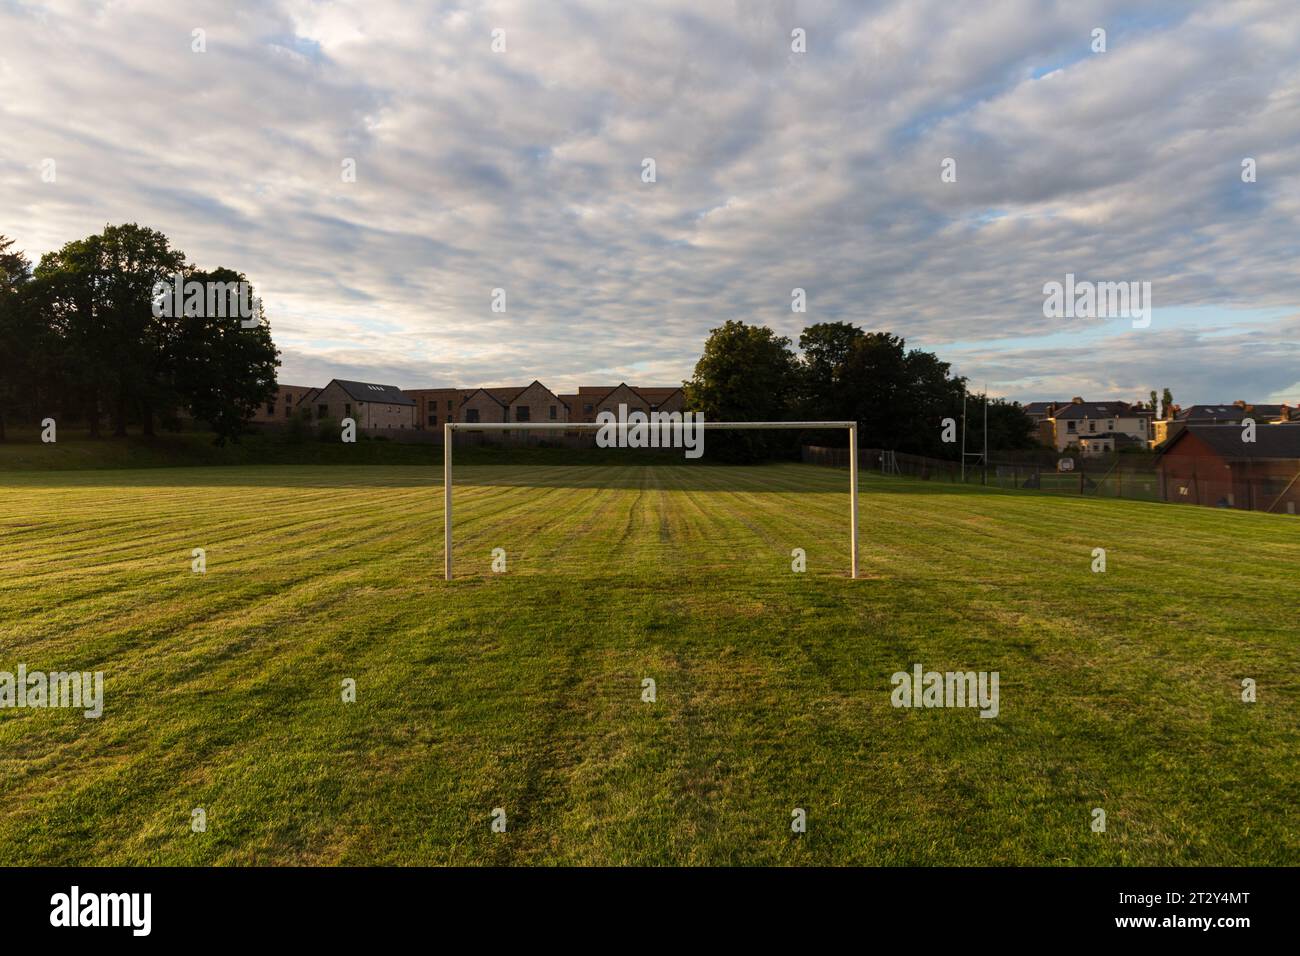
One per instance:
[(374, 406), (1097, 428)]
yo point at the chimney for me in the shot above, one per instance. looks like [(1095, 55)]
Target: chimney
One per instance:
[(1284, 414)]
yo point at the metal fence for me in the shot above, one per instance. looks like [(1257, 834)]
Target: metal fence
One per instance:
[(1253, 486)]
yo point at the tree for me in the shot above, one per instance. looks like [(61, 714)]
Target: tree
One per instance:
[(97, 294), (1009, 428), (746, 373), (898, 398), (15, 328), (96, 299), (826, 348), (1168, 399), (223, 371)]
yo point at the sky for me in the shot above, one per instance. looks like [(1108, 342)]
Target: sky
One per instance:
[(522, 168)]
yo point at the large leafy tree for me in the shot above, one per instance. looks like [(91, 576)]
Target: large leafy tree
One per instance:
[(223, 371), (1009, 428), (95, 297), (826, 348), (746, 373), (98, 294), (899, 398), (16, 331)]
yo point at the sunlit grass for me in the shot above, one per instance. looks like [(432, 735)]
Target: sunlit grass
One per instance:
[(523, 690)]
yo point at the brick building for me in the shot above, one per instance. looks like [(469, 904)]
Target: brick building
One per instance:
[(1213, 465), (285, 403), (590, 400), (370, 405)]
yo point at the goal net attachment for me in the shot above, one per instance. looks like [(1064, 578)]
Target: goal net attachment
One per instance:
[(450, 427)]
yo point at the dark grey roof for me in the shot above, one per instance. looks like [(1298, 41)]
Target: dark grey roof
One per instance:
[(1271, 441), (369, 392), (1040, 408), (1098, 410), (1231, 413)]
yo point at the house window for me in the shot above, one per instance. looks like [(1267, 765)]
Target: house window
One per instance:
[(1110, 425), (522, 413), (433, 418), (449, 408), (270, 408), (288, 412), (552, 413), (654, 408), (1070, 427), (586, 409), (322, 411), (1092, 427), (347, 409), (471, 414)]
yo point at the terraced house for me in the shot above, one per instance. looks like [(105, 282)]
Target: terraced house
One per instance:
[(282, 407), (1095, 427), (428, 409), (590, 400)]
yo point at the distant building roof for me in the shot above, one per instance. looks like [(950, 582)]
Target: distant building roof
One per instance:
[(1280, 441), (1099, 410), (370, 392), (1041, 408), (657, 395), (1232, 413)]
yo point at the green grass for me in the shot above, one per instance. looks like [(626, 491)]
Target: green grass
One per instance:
[(523, 690), (24, 451)]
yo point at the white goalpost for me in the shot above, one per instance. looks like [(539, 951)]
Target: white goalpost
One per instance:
[(449, 428)]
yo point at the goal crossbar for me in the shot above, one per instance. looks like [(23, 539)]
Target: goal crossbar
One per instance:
[(450, 427)]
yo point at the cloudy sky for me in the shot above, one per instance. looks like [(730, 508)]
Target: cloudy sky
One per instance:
[(521, 169)]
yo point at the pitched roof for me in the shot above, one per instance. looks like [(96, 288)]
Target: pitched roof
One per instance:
[(1041, 408), (1232, 413), (657, 395), (506, 394), (1280, 441), (1098, 410), (370, 392), (503, 395)]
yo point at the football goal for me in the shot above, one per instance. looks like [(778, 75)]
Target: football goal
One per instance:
[(449, 428)]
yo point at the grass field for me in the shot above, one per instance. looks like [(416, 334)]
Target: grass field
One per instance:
[(522, 690)]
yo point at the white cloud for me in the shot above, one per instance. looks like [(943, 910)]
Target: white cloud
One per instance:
[(521, 170)]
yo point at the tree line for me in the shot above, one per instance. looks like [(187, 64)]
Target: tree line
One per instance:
[(84, 339), (899, 397)]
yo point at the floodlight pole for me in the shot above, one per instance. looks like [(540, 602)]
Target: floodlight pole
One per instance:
[(450, 427)]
